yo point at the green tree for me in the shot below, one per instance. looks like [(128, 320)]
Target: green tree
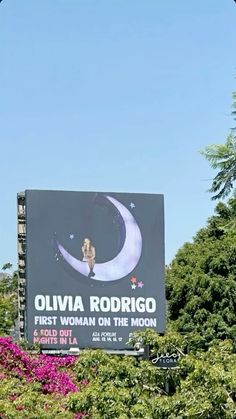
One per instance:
[(201, 286), (119, 387), (234, 105), (222, 157), (8, 300)]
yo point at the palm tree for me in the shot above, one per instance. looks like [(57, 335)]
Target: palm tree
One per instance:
[(222, 157)]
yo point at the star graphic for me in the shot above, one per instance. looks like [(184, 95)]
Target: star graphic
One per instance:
[(140, 284), (133, 286), (72, 236), (133, 280), (132, 205)]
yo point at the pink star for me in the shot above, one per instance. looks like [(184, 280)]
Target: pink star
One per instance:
[(133, 280), (140, 284)]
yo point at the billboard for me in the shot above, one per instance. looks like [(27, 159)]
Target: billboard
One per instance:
[(94, 267)]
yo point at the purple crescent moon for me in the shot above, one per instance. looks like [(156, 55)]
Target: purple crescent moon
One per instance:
[(124, 262)]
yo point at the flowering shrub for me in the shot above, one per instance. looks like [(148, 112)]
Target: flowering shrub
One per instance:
[(43, 369), (103, 386), (23, 400)]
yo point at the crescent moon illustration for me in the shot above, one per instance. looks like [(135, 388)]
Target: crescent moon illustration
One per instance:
[(124, 262)]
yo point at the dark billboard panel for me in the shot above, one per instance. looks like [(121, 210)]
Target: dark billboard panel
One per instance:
[(94, 267)]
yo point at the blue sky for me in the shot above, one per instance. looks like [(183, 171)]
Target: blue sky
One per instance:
[(114, 95)]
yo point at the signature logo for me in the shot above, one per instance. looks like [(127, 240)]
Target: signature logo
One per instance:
[(166, 359)]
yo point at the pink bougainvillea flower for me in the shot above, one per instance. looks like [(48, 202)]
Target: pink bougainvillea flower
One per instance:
[(44, 369)]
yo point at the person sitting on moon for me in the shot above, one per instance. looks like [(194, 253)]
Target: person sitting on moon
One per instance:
[(89, 255)]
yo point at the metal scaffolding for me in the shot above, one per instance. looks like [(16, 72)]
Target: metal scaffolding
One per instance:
[(21, 250)]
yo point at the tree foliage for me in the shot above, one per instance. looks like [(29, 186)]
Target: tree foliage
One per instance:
[(102, 386), (201, 286), (234, 105), (8, 300), (222, 157), (122, 387)]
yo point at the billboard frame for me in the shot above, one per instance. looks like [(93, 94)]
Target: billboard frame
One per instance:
[(23, 276)]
